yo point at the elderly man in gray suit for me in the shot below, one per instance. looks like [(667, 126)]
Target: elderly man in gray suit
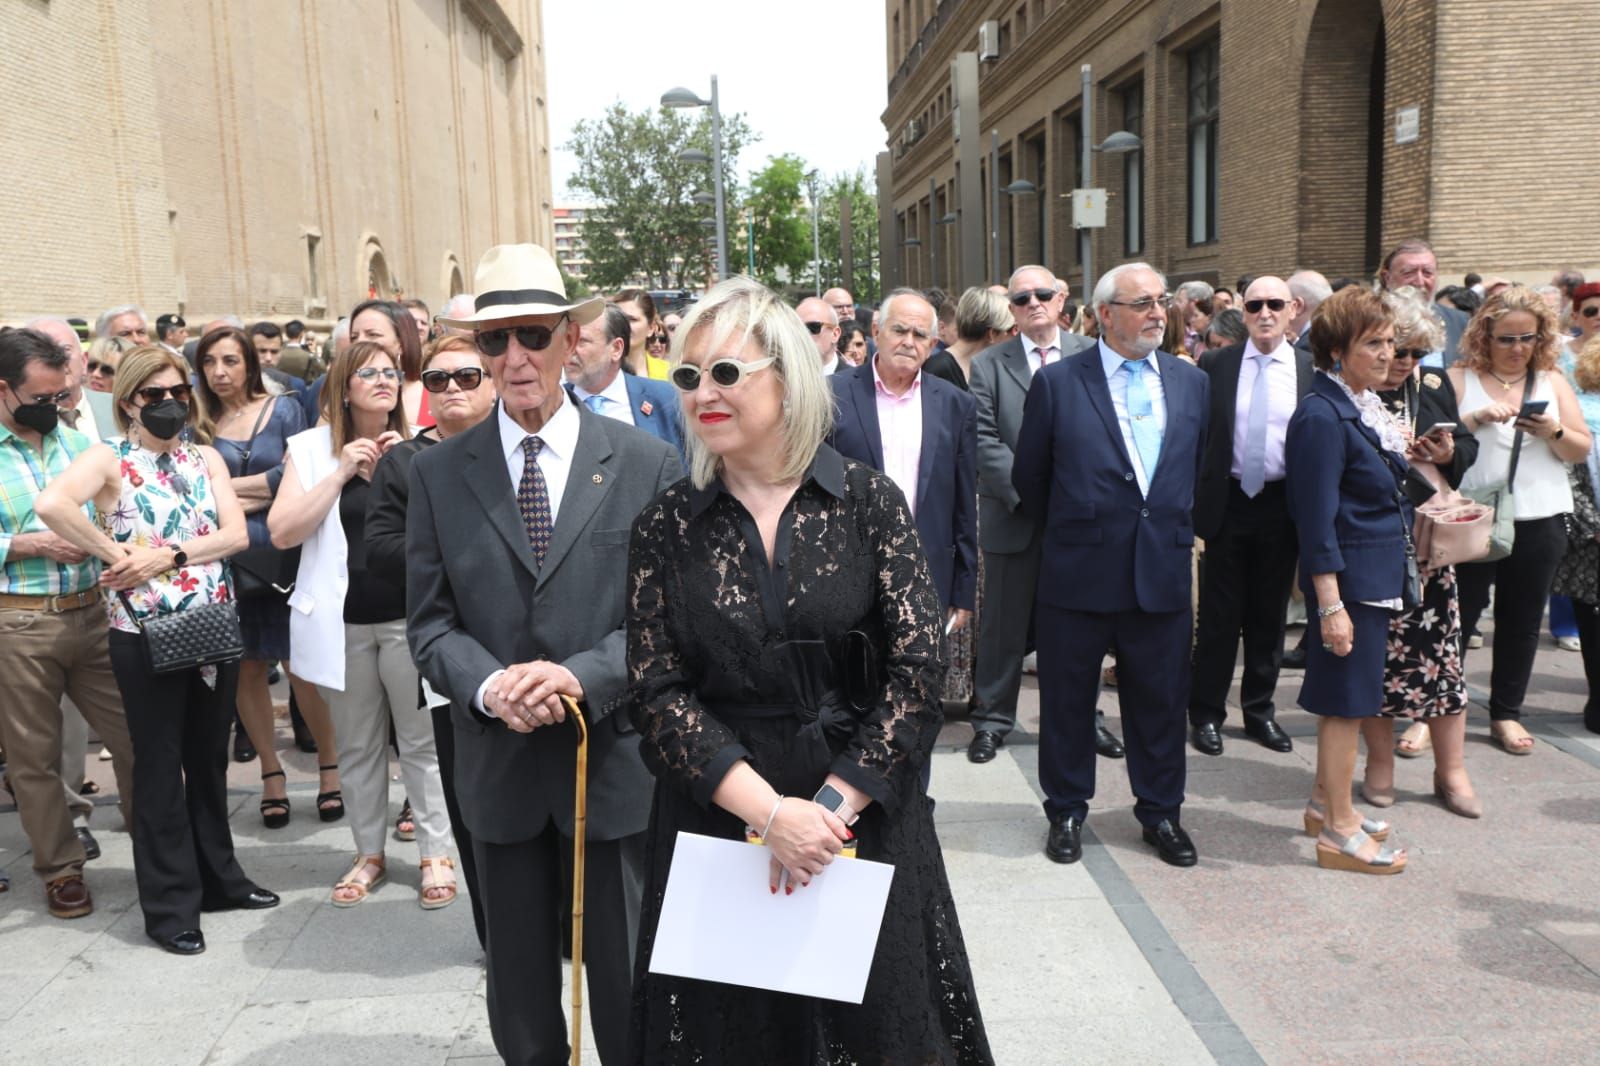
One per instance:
[(1011, 542), (517, 547)]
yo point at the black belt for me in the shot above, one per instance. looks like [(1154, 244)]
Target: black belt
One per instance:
[(732, 711)]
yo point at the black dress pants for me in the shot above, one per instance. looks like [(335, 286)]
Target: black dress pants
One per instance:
[(1245, 580), (521, 885), (183, 857), (444, 739), (1521, 582), (1588, 619)]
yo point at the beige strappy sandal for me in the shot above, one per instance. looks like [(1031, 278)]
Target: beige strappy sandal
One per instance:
[(352, 881), (434, 881)]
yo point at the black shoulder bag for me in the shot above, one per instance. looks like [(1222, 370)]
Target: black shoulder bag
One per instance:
[(194, 636), (1411, 591), (262, 571)]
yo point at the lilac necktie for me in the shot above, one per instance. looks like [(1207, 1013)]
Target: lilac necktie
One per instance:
[(1253, 470), (533, 500)]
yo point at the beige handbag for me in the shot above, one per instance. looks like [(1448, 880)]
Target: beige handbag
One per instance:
[(1450, 528)]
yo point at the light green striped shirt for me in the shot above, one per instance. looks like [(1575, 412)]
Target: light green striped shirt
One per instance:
[(23, 475)]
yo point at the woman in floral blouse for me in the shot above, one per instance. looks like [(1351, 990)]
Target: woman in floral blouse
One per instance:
[(169, 517)]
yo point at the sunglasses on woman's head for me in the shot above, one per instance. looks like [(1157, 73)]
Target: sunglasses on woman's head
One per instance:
[(372, 373), (468, 377), (724, 373), (155, 393), (494, 342)]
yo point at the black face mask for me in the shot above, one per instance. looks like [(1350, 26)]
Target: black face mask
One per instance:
[(164, 420), (39, 417)]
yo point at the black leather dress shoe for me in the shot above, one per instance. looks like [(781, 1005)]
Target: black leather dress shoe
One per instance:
[(243, 750), (1106, 743), (1295, 658), (258, 899), (188, 942), (1271, 735), (91, 846), (985, 742), (1065, 842), (1207, 739), (1171, 843)]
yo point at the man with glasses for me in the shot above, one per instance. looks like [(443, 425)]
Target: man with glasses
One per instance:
[(1242, 514), (517, 553), (1010, 540), (822, 322), (843, 304), (1110, 450), (1413, 263), (53, 618), (595, 379)]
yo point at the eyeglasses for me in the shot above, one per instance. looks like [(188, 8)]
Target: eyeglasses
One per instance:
[(1590, 311), (468, 377), (373, 373), (814, 328), (155, 393), (1411, 353), (1143, 306), (53, 401), (1511, 340), (657, 338), (180, 484), (493, 342), (97, 367), (1253, 307), (1027, 296), (724, 373)]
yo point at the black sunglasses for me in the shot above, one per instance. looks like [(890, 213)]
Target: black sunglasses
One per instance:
[(814, 328), (468, 377), (658, 338), (1022, 299), (494, 342), (1254, 306), (1411, 353), (155, 393), (724, 373), (97, 367), (1590, 311)]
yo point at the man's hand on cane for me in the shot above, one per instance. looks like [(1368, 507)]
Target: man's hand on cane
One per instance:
[(527, 695)]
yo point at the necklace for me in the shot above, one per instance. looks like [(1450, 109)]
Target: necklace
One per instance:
[(1506, 385)]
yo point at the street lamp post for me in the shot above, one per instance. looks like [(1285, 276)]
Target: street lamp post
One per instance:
[(681, 97), (1116, 144), (816, 233)]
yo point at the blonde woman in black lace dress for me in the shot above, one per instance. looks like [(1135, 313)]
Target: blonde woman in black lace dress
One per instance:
[(766, 587)]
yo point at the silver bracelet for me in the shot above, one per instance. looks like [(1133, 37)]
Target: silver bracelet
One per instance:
[(770, 817), (1329, 612)]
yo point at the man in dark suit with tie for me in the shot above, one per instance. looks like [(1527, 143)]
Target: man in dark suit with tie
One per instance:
[(517, 547), (1108, 458), (1413, 263), (1242, 514), (922, 432), (1011, 540), (596, 379)]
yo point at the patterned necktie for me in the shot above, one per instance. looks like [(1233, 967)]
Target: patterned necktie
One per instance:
[(1253, 468), (533, 499), (1141, 415), (596, 403), (70, 417), (1047, 356)]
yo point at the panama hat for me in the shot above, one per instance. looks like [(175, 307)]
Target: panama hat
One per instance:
[(517, 280)]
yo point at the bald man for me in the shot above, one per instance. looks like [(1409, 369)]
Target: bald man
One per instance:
[(1241, 513), (822, 322), (841, 301)]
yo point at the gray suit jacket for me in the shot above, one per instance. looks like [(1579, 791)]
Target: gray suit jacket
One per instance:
[(1000, 380), (477, 603)]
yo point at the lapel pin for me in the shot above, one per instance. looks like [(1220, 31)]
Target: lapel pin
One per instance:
[(644, 409), (598, 479)]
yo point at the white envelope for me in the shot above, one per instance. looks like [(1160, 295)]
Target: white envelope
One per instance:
[(721, 922)]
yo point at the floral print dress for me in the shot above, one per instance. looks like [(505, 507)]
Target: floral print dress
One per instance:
[(166, 499)]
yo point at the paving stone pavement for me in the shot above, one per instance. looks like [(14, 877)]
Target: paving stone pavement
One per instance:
[(1486, 950)]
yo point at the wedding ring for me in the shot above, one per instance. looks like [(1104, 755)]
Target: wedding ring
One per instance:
[(1327, 647)]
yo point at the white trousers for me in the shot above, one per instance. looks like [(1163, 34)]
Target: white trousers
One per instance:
[(380, 682)]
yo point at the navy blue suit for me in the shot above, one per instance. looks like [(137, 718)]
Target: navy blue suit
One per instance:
[(1115, 574), (654, 406), (947, 473)]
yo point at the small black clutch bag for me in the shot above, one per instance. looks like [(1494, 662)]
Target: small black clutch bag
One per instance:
[(195, 636)]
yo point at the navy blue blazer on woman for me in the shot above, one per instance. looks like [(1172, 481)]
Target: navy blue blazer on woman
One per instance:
[(1107, 548), (1342, 497), (947, 473)]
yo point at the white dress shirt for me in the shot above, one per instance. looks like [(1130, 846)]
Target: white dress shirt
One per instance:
[(830, 366), (1035, 353), (560, 437), (1117, 382), (614, 402), (1282, 394)]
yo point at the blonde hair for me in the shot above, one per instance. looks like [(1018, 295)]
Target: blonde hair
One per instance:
[(138, 366), (109, 350), (1586, 371), (1475, 339), (335, 405), (450, 342), (743, 310), (979, 311), (1414, 318)]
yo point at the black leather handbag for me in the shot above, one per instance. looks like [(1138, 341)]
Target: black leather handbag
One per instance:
[(195, 636)]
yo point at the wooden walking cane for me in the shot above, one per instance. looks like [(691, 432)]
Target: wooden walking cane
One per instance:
[(580, 816)]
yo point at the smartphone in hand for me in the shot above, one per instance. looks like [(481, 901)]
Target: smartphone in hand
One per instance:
[(1531, 408)]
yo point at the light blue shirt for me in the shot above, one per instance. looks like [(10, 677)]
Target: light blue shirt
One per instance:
[(614, 402), (1117, 382)]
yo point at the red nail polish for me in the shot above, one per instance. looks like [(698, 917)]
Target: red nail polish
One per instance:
[(788, 890), (849, 835), (774, 890)]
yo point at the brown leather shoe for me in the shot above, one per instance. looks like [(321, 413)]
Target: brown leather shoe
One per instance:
[(68, 897)]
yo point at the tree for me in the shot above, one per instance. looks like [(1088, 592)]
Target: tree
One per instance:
[(858, 190), (780, 223), (644, 220)]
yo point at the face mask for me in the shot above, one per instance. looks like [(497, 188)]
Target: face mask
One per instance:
[(165, 419), (39, 417)]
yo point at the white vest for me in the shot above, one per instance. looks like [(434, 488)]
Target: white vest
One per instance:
[(316, 606)]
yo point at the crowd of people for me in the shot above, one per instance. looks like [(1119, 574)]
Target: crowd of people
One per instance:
[(761, 549)]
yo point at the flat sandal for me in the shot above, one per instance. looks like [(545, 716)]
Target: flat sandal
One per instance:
[(362, 888), (431, 881)]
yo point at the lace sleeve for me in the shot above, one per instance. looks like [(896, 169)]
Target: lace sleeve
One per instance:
[(681, 743), (894, 740)]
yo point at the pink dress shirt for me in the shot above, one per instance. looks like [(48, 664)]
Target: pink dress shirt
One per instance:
[(900, 430)]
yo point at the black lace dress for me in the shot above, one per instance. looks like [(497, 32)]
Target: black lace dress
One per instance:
[(713, 682)]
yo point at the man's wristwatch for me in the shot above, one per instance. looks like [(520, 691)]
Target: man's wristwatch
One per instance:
[(832, 799)]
